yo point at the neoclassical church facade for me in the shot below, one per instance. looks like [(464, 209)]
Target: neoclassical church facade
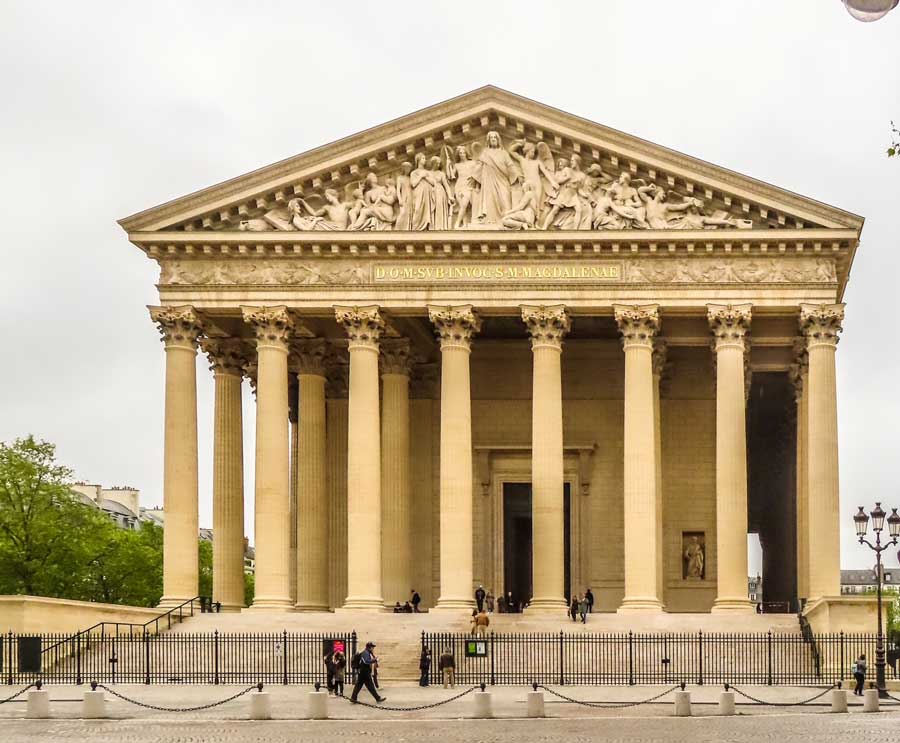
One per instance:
[(494, 343)]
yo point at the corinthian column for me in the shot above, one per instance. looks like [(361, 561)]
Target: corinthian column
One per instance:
[(363, 326), (180, 328), (396, 547), (312, 495), (799, 378), (455, 326), (660, 352), (227, 357), (821, 325), (639, 325), (730, 325), (272, 327), (547, 326)]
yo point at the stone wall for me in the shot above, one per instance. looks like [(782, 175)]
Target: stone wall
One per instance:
[(40, 614)]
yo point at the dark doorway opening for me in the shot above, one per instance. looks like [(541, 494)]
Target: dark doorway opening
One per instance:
[(518, 545)]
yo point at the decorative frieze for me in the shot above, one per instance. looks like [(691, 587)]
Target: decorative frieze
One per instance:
[(638, 324), (364, 325), (546, 325), (821, 323), (180, 327), (454, 326)]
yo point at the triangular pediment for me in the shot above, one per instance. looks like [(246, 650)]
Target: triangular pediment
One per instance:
[(441, 169)]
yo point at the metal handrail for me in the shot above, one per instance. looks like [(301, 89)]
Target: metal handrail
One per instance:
[(167, 615)]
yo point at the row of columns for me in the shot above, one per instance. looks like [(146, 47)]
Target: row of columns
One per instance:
[(378, 497)]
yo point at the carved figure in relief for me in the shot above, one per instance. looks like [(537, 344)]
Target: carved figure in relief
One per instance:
[(657, 209), (571, 195), (422, 182), (536, 162), (404, 198), (495, 173), (464, 186), (377, 212), (443, 196), (694, 218), (627, 203), (333, 216), (524, 213), (694, 558)]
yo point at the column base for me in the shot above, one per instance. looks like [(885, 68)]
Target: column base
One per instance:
[(733, 604), (546, 606), (170, 602), (363, 603), (454, 603), (646, 604), (271, 604), (307, 606), (226, 608)]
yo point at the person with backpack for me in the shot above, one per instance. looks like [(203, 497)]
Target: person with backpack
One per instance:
[(364, 665), (859, 674), (338, 666)]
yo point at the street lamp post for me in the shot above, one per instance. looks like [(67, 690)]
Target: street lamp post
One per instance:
[(861, 520)]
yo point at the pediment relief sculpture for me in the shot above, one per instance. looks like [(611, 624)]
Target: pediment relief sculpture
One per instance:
[(486, 185)]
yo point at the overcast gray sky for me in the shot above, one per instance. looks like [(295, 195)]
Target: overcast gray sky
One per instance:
[(112, 107)]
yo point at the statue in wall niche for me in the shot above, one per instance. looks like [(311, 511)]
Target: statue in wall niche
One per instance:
[(443, 198), (495, 173), (465, 189), (377, 210), (536, 162), (694, 556), (523, 214), (404, 198)]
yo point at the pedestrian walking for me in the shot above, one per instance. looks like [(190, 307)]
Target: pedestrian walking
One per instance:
[(482, 622), (479, 597), (589, 595), (447, 667), (364, 664), (573, 608), (583, 609), (328, 659), (339, 667), (489, 600), (859, 674), (415, 599), (424, 667)]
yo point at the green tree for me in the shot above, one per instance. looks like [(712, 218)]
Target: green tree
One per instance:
[(206, 568), (894, 149), (249, 588), (126, 566)]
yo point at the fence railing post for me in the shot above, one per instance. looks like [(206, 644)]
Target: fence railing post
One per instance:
[(493, 677), (9, 678), (700, 657), (769, 657), (353, 644), (146, 656), (216, 657), (630, 658), (284, 658), (842, 657), (562, 674)]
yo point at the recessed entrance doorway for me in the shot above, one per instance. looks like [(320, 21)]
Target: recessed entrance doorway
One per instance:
[(518, 544)]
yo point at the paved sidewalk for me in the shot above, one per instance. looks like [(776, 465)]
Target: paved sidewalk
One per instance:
[(290, 703)]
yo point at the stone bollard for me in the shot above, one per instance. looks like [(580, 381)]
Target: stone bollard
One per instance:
[(726, 703), (839, 700), (534, 704), (483, 709), (94, 704), (37, 704), (260, 705), (870, 700), (682, 703), (318, 705)]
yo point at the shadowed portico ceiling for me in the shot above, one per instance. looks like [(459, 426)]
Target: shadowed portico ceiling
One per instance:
[(723, 200)]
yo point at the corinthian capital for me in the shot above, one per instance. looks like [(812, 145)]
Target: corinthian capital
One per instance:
[(821, 323), (729, 323), (309, 356), (180, 327), (638, 324), (226, 355), (272, 326), (364, 325), (547, 325), (660, 354), (395, 358), (454, 326)]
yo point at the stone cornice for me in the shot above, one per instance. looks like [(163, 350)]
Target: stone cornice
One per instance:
[(510, 113)]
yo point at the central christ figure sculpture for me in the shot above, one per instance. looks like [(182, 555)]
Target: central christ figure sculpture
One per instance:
[(496, 172)]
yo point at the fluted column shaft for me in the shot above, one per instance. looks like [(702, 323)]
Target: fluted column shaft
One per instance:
[(364, 591), (659, 363), (547, 326), (730, 325), (180, 328), (312, 495), (227, 358), (455, 327), (821, 324), (272, 326), (639, 325), (396, 548)]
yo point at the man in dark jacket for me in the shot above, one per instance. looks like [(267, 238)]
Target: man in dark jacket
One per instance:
[(416, 600), (364, 672), (589, 595), (479, 597)]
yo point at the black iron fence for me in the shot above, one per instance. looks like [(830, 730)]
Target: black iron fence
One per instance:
[(128, 656), (630, 658)]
